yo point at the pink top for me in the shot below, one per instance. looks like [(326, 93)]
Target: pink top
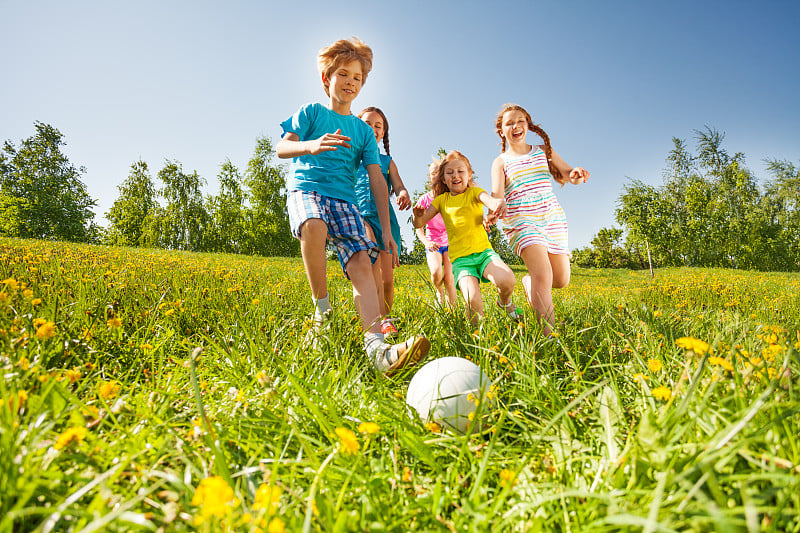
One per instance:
[(434, 229)]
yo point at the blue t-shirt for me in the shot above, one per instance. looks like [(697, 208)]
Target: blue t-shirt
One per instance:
[(331, 173), (366, 202)]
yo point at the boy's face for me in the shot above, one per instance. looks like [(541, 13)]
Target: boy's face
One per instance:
[(345, 83), (456, 176)]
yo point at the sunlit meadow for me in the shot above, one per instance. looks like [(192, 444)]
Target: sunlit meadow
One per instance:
[(165, 391)]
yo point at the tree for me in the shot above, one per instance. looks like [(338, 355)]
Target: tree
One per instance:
[(184, 217), (268, 220), (226, 231), (42, 195), (132, 211)]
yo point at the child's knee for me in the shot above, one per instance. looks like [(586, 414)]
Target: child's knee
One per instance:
[(560, 280), (359, 265)]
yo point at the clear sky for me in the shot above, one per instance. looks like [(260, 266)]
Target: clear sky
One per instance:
[(611, 82)]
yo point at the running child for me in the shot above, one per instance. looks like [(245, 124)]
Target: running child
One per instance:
[(533, 220), (327, 143), (383, 268), (461, 203), (434, 238)]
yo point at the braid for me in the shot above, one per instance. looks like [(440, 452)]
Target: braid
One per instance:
[(548, 152)]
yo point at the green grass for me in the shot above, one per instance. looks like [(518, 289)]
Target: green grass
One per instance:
[(171, 368)]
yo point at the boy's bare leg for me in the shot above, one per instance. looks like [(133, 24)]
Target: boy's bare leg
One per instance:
[(365, 294), (313, 234)]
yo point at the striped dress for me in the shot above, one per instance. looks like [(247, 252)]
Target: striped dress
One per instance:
[(534, 215)]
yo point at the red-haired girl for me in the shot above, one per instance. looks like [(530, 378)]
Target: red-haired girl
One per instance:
[(461, 205)]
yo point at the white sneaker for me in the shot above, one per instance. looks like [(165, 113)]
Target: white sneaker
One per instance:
[(403, 355)]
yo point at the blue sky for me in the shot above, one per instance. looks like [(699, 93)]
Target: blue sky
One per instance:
[(611, 82)]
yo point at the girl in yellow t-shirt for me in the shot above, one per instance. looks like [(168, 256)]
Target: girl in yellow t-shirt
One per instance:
[(461, 206)]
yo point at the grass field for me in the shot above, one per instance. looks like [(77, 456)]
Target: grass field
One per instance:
[(163, 391)]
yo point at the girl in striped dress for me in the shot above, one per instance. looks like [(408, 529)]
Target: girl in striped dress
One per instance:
[(533, 220)]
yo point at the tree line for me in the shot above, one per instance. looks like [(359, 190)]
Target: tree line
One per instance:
[(710, 212)]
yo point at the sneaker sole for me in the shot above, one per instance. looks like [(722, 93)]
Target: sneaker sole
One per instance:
[(413, 355)]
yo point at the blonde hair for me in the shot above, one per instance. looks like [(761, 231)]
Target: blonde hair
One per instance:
[(440, 187), (344, 51), (535, 128)]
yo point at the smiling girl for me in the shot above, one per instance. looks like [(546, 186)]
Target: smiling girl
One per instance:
[(534, 221), (461, 205)]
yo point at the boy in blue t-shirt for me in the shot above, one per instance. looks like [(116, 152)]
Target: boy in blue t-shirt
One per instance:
[(327, 144)]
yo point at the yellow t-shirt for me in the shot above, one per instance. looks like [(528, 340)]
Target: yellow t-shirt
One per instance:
[(463, 218)]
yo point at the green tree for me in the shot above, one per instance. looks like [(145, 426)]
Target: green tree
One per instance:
[(267, 219), (133, 210), (226, 231), (184, 217), (42, 195)]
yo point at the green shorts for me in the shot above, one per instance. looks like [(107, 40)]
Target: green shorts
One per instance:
[(474, 265)]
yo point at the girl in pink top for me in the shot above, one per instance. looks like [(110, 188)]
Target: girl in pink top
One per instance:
[(434, 238)]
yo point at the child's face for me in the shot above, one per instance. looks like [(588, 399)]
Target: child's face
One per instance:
[(345, 83), (514, 126), (375, 121), (456, 176)]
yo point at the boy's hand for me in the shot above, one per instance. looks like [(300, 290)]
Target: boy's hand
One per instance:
[(578, 175), (403, 200), (328, 143)]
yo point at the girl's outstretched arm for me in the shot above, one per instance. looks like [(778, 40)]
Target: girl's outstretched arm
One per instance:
[(421, 216), (499, 185), (403, 199), (575, 175)]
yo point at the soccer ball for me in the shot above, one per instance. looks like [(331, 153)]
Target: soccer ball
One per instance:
[(447, 391)]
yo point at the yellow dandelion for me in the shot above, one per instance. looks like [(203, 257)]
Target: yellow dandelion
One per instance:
[(215, 498), (73, 375), (38, 322), (276, 525), (36, 301), (349, 442), (46, 331), (108, 389), (368, 428), (255, 301), (433, 427), (654, 365), (11, 284), (114, 323), (639, 376), (27, 293), (508, 478), (169, 312), (71, 435), (408, 476), (662, 393), (267, 498), (146, 347), (4, 298), (771, 351), (695, 345), (721, 361), (24, 363)]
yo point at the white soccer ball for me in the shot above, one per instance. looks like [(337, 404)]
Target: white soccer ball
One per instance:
[(447, 390)]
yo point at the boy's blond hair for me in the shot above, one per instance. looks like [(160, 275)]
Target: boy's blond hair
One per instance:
[(344, 51)]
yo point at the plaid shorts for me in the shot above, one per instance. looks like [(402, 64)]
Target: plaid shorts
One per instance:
[(346, 230)]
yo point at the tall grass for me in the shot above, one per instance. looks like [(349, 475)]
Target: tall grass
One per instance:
[(152, 390)]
